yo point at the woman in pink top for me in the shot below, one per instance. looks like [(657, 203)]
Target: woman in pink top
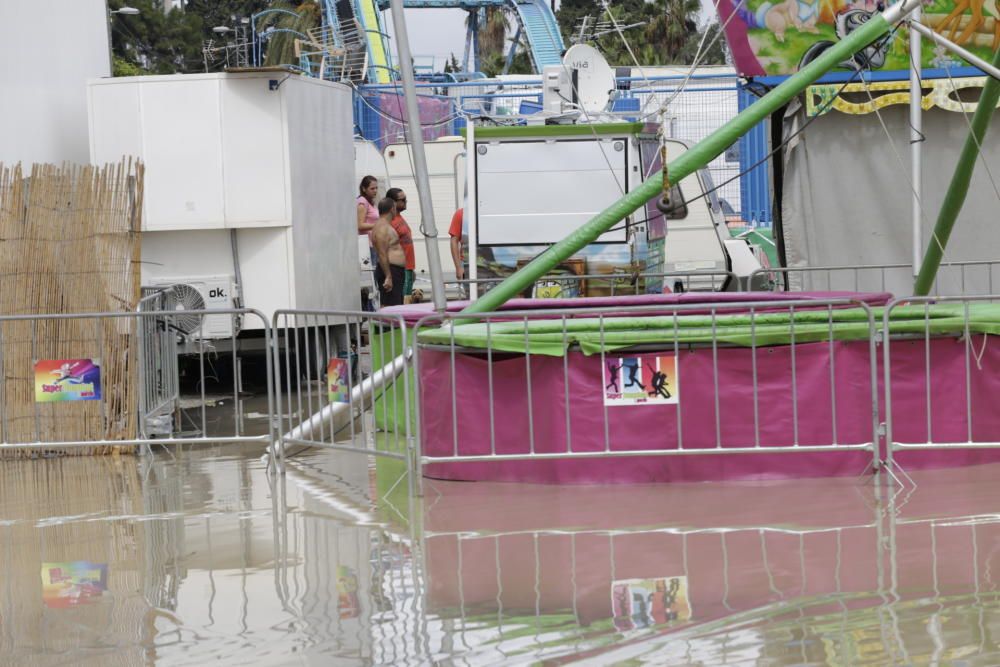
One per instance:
[(367, 211)]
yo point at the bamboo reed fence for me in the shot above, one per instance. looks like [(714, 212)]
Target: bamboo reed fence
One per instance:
[(69, 243)]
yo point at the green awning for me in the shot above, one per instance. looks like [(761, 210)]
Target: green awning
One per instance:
[(552, 337)]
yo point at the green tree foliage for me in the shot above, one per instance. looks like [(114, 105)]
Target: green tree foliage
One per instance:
[(452, 65), (152, 42), (224, 12), (494, 42), (668, 35), (280, 49)]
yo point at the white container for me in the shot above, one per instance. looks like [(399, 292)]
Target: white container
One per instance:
[(446, 175), (262, 155)]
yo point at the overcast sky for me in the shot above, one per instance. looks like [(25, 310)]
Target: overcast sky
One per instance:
[(440, 32)]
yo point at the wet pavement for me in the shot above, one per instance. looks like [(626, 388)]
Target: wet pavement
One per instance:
[(194, 557)]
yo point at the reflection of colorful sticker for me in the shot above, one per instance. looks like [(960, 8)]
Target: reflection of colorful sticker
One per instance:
[(647, 379), (642, 603), (348, 603), (69, 584), (338, 381), (67, 380)]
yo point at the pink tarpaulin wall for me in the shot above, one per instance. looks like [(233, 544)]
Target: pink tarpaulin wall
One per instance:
[(829, 409), (391, 125)]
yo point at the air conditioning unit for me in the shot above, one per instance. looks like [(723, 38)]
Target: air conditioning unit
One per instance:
[(191, 297)]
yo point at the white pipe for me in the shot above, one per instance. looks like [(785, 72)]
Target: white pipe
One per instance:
[(470, 215), (361, 395), (971, 58), (916, 141)]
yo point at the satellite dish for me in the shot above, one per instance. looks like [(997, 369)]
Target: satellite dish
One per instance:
[(595, 78)]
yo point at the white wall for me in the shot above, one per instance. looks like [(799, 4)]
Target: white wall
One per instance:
[(48, 50), (441, 163), (321, 166), (231, 152), (214, 146)]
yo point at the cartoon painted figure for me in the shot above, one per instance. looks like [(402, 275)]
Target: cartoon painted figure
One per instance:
[(778, 17)]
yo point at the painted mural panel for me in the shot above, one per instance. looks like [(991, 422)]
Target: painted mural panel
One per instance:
[(779, 37)]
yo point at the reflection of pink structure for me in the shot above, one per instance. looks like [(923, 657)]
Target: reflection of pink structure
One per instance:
[(741, 547)]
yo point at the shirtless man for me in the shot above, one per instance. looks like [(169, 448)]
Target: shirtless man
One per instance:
[(390, 272)]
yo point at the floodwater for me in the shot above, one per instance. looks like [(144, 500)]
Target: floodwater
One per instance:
[(195, 557)]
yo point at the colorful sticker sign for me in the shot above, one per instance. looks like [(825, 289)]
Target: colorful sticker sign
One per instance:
[(74, 583), (643, 603), (646, 379), (67, 380), (338, 379), (348, 603)]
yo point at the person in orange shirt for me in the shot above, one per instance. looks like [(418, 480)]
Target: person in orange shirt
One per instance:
[(405, 237), (455, 232)]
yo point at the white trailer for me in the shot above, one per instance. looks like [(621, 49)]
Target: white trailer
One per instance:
[(249, 186), (534, 185), (446, 173)]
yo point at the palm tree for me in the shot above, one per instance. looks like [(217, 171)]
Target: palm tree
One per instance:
[(492, 33), (280, 48), (672, 27)]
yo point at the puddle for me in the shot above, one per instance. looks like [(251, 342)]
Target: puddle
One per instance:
[(198, 558)]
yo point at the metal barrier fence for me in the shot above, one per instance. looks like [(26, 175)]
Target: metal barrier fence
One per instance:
[(339, 392), (698, 573), (159, 368), (965, 278), (940, 376), (608, 284), (84, 380), (758, 377), (535, 398)]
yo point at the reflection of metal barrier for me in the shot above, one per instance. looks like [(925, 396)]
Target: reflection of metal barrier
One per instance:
[(970, 278), (342, 389), (756, 378), (105, 376), (647, 580), (940, 391), (610, 284)]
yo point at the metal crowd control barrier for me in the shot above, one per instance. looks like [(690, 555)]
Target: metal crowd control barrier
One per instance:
[(950, 402), (611, 284), (340, 372), (969, 278), (159, 367), (841, 414), (100, 370)]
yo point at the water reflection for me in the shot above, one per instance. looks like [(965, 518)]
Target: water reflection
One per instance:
[(198, 557)]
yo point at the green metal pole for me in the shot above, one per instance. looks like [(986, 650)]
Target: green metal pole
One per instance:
[(959, 186), (695, 158)]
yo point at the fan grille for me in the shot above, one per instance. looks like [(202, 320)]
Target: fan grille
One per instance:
[(190, 306)]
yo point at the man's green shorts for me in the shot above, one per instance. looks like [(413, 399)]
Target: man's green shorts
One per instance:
[(408, 282)]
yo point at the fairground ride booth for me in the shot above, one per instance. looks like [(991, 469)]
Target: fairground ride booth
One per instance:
[(841, 178)]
